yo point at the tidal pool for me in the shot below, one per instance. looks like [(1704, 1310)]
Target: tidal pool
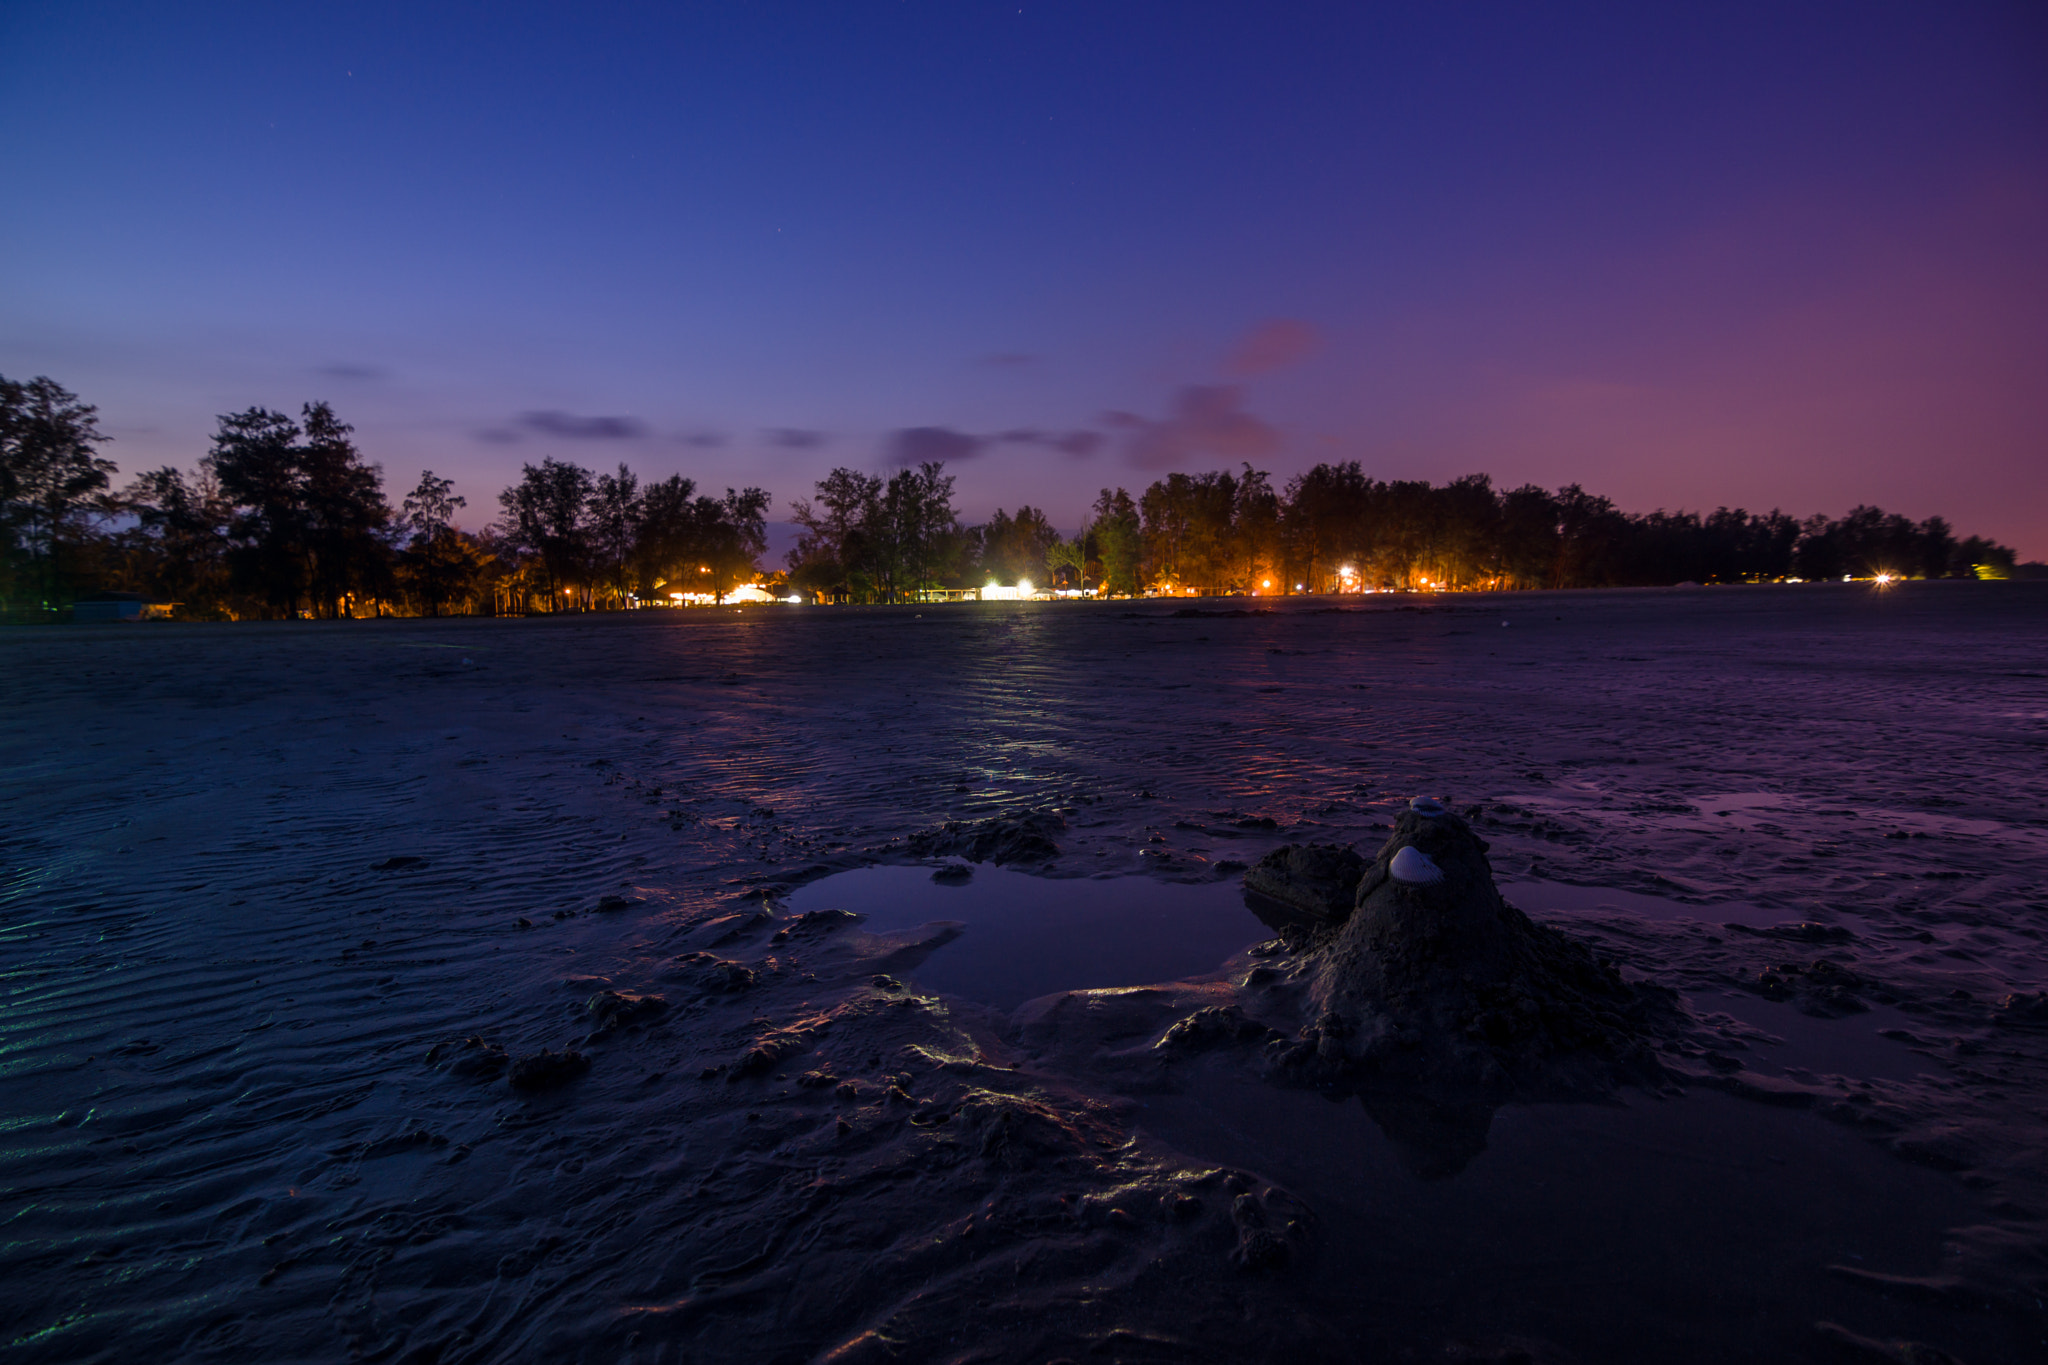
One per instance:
[(1701, 1226), (1027, 936)]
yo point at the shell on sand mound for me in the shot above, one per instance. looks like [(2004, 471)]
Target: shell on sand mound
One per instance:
[(1415, 867)]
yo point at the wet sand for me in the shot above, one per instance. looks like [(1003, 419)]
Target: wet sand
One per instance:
[(256, 874)]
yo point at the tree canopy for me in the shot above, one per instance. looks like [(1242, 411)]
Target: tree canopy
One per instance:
[(51, 479)]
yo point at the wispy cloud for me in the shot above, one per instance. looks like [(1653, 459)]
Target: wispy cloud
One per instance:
[(795, 438), (1079, 444), (567, 424), (354, 372), (915, 445), (1273, 345)]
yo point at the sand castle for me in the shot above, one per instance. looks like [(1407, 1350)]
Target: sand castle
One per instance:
[(1433, 975)]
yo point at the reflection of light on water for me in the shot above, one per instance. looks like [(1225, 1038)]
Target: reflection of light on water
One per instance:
[(1028, 936)]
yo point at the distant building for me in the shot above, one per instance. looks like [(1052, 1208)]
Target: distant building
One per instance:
[(746, 592), (120, 606)]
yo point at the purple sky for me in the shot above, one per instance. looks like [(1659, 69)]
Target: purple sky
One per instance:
[(1785, 254)]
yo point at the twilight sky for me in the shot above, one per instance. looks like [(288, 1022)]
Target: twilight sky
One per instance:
[(1779, 254)]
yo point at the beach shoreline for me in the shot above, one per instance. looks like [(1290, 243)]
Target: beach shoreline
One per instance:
[(259, 871)]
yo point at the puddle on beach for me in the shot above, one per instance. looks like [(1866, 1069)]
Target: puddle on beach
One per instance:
[(1690, 1229), (1028, 936), (1697, 1228)]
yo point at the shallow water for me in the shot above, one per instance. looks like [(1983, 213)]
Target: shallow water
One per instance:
[(1025, 936), (1695, 1229), (1704, 1226), (1801, 1045)]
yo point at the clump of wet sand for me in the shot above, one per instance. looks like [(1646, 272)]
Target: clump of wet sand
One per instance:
[(1431, 976)]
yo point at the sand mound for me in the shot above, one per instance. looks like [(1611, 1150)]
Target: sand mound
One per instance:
[(1433, 975)]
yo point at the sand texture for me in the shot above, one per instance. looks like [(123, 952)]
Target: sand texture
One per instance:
[(430, 990)]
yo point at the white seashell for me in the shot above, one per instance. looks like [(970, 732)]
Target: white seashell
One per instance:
[(1427, 805), (1413, 866)]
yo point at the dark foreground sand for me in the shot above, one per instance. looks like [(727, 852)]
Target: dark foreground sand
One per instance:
[(256, 874)]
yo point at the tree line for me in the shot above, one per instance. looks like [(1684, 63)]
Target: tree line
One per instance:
[(1333, 528), (284, 518)]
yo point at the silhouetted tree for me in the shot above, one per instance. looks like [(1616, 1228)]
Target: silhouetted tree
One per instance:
[(1013, 549), (1119, 542), (1186, 530), (1330, 521), (1468, 533), (255, 461), (178, 546), (306, 511), (1587, 528), (1528, 536), (1936, 548), (615, 513), (732, 534), (1066, 562), (1258, 555), (1981, 558), (437, 562), (345, 515), (665, 553), (838, 551), (545, 516), (50, 479), (919, 530)]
